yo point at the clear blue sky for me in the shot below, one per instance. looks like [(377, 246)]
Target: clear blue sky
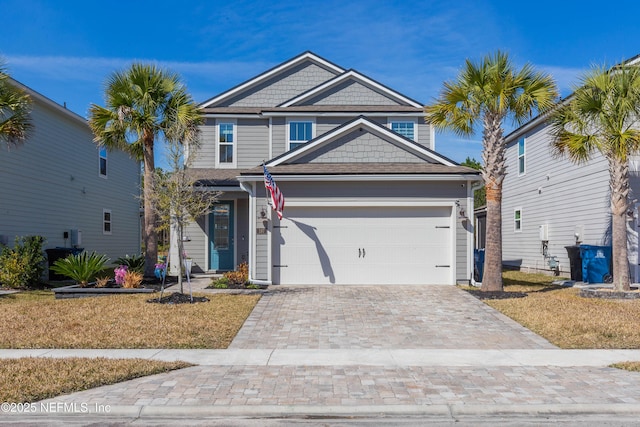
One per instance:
[(66, 49)]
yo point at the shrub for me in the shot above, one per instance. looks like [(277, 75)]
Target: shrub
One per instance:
[(133, 262), (23, 265), (120, 272), (221, 283), (239, 277), (132, 279), (81, 268), (102, 282)]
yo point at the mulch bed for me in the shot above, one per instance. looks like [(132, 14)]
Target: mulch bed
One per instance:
[(177, 298), (497, 294)]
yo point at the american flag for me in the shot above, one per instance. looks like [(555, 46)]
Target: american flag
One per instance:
[(277, 198)]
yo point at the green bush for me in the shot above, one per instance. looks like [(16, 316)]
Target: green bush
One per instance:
[(23, 265), (81, 268), (133, 262)]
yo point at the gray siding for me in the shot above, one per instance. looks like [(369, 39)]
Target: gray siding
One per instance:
[(253, 142), (262, 265), (282, 87), (360, 147), (205, 155), (424, 133), (279, 136), (568, 198), (51, 184), (350, 93), (196, 247)]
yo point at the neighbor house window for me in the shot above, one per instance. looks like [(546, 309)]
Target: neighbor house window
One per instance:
[(521, 152), (102, 156), (106, 221), (226, 142), (300, 132), (517, 220)]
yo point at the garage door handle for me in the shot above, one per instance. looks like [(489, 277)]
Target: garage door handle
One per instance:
[(447, 266), (359, 252), (363, 253)]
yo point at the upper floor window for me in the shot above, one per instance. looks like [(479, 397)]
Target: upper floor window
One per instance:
[(102, 166), (226, 142), (521, 153), (300, 132), (405, 127)]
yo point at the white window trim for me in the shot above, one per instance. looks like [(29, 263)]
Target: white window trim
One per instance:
[(233, 164), (413, 120), (104, 211), (515, 221), (299, 119), (106, 159), (523, 156)]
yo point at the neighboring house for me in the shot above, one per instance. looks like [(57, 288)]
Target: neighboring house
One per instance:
[(368, 200), (549, 203), (61, 186)]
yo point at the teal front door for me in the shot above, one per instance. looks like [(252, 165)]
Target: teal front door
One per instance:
[(221, 236)]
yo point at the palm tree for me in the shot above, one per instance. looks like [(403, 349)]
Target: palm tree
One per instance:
[(144, 103), (603, 114), (15, 109), (491, 91)]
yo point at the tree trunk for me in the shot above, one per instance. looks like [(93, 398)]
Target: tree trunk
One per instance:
[(619, 187), (150, 234), (493, 173)]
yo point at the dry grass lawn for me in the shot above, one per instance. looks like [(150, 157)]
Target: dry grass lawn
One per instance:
[(35, 319), (567, 320), (31, 379)]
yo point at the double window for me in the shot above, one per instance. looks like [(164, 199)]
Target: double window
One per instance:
[(106, 221), (521, 153), (300, 132), (226, 143), (517, 220)]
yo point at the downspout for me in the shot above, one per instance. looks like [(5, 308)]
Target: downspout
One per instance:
[(252, 234), (474, 187)]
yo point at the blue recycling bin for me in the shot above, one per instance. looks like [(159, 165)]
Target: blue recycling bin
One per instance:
[(478, 257), (596, 263)]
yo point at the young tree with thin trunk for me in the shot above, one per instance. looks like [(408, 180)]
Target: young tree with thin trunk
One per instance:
[(489, 92), (603, 114), (144, 104), (178, 199)]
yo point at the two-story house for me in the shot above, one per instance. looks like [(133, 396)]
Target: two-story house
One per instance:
[(367, 199), (550, 203), (61, 186)]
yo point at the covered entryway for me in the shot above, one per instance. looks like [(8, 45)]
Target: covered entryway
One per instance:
[(364, 245)]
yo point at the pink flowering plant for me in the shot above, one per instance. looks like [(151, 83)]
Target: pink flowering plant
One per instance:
[(120, 273)]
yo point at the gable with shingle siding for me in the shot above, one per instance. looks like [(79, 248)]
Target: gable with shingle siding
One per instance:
[(360, 146), (350, 93), (281, 87)]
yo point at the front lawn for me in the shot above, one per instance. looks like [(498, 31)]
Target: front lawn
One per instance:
[(35, 319), (564, 318), (31, 379)]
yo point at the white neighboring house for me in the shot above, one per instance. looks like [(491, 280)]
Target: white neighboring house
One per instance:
[(368, 200), (61, 186)]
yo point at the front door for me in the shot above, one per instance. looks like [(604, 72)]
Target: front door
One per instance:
[(221, 236)]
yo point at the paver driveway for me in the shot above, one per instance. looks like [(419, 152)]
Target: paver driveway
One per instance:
[(379, 317)]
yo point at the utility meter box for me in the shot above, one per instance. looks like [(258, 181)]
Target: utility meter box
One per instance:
[(544, 233), (76, 237)]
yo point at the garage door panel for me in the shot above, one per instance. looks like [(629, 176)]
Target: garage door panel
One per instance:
[(365, 245)]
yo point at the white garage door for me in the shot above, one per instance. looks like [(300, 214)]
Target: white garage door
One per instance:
[(364, 245)]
